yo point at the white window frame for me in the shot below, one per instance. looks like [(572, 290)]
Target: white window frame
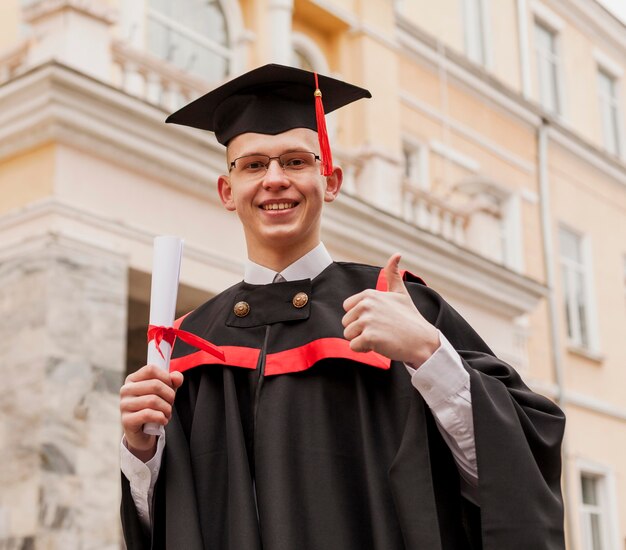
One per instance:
[(607, 503), (585, 268), (419, 173), (613, 71), (556, 68), (226, 52), (477, 37), (309, 49), (513, 255)]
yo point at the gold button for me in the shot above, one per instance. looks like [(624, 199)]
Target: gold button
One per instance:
[(300, 300), (241, 309)]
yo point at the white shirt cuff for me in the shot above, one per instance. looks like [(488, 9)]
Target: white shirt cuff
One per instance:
[(444, 384), (441, 376), (142, 476)]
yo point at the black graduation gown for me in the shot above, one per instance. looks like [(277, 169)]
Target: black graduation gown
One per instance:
[(298, 443)]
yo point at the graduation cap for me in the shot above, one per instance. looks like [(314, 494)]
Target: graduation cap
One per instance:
[(270, 100)]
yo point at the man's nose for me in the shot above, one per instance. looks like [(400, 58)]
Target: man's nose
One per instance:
[(275, 176)]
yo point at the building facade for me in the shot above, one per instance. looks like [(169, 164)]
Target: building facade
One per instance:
[(492, 156)]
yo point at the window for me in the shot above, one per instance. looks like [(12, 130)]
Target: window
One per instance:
[(575, 289), (594, 512), (306, 54), (191, 34), (415, 180), (609, 111), (415, 164), (302, 61), (475, 34), (547, 68)]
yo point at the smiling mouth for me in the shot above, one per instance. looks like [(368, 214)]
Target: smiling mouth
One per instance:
[(279, 206)]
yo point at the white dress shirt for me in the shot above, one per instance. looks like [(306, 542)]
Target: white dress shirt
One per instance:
[(441, 380)]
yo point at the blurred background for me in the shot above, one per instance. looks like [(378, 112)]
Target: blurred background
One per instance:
[(492, 156)]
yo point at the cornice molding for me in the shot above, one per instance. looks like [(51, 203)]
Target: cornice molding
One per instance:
[(53, 102), (423, 48), (93, 8), (578, 399), (492, 147), (594, 18), (455, 271), (53, 214), (613, 168)]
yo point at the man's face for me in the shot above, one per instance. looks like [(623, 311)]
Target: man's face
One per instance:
[(280, 210)]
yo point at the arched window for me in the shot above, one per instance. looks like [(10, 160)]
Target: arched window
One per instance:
[(191, 34), (301, 61), (307, 54)]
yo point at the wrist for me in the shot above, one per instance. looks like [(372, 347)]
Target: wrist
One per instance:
[(428, 345), (144, 451)]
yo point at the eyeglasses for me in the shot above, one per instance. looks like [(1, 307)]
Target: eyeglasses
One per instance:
[(293, 163)]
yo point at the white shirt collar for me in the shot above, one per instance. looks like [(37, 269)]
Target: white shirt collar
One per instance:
[(308, 266)]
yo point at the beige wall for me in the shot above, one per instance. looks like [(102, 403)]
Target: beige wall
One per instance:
[(27, 177)]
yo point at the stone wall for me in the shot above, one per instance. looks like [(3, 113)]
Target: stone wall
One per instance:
[(63, 309)]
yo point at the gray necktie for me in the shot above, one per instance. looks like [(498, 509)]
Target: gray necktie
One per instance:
[(278, 278)]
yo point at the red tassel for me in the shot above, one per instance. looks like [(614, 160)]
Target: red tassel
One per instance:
[(322, 133)]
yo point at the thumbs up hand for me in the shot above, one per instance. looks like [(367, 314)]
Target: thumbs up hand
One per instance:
[(388, 322)]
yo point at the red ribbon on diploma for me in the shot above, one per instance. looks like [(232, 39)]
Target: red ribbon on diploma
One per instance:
[(169, 334)]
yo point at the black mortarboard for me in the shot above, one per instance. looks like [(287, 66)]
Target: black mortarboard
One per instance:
[(269, 100)]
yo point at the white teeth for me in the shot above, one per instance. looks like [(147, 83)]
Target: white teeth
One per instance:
[(279, 206)]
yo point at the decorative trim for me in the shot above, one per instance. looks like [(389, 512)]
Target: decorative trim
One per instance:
[(55, 103), (45, 211), (592, 18), (343, 15), (613, 168), (414, 42), (547, 16), (608, 64), (467, 132), (529, 196), (595, 405), (578, 399), (92, 8), (464, 161)]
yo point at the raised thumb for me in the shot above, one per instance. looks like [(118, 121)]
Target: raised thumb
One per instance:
[(392, 274)]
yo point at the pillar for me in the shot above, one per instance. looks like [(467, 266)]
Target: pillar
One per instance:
[(63, 319)]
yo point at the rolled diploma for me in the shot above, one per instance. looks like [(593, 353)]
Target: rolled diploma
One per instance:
[(165, 273)]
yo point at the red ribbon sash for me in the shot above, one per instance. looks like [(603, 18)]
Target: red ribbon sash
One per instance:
[(169, 334)]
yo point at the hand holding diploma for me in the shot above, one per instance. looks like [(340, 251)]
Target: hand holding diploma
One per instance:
[(147, 397)]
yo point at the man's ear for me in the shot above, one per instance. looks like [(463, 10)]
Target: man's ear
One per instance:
[(226, 193), (333, 184)]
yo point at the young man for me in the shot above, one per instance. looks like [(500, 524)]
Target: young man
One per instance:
[(354, 409)]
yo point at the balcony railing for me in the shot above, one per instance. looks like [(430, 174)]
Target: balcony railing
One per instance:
[(433, 214), (148, 77)]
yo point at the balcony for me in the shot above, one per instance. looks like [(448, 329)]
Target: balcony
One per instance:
[(146, 76), (431, 213)]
